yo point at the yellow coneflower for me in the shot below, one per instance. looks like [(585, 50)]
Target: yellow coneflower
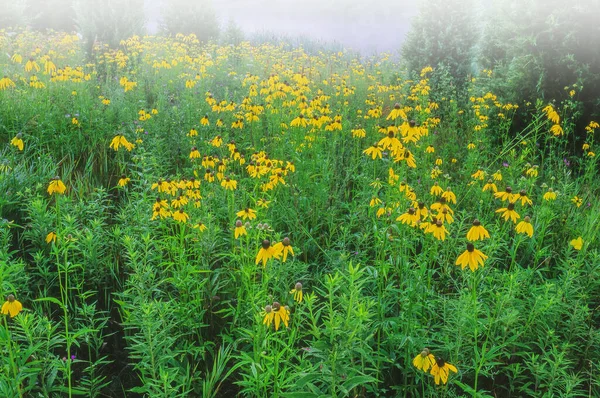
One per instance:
[(11, 306), (283, 248), (247, 213), (490, 186), (160, 208), (550, 195), (5, 83), (477, 232), (200, 226), (524, 198), (56, 186), (276, 313), (374, 151), (424, 360), (263, 203), (51, 237), (438, 230), (410, 217), (123, 180), (509, 212), (449, 196), (18, 141), (421, 210), (240, 229), (471, 257), (216, 142), (180, 216), (436, 190), (120, 140), (430, 149), (577, 201), (204, 121), (441, 369), (396, 113), (525, 227), (194, 154), (507, 195), (265, 253), (299, 121), (229, 184), (297, 292)]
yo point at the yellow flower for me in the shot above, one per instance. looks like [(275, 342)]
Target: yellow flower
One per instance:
[(56, 186), (200, 226), (284, 247), (229, 184), (509, 212), (424, 360), (441, 369), (410, 217), (18, 142), (194, 154), (359, 133), (123, 180), (556, 130), (120, 140), (550, 195), (204, 121), (247, 213), (471, 146), (299, 121), (276, 313), (263, 203), (180, 216), (430, 149), (471, 257), (5, 83), (374, 151), (11, 306), (297, 292), (577, 243), (265, 253), (524, 198), (396, 113), (449, 196), (436, 190), (51, 237), (240, 230), (525, 227), (439, 230), (577, 200), (506, 195), (477, 232), (490, 186)]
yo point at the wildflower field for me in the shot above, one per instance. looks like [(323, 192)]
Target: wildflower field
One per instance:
[(183, 219)]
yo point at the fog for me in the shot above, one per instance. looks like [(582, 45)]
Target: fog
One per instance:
[(365, 26)]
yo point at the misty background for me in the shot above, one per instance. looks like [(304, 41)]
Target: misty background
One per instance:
[(364, 26)]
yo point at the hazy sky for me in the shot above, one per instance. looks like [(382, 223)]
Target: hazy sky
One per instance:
[(368, 26)]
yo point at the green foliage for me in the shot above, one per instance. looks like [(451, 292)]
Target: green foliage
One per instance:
[(125, 300), (108, 21), (444, 33), (187, 17)]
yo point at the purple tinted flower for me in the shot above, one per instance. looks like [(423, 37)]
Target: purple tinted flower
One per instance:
[(505, 164), (73, 357), (567, 163)]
